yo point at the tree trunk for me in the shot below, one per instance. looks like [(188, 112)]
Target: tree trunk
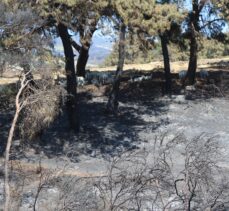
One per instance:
[(194, 27), (82, 60), (165, 52), (72, 107), (83, 50), (192, 66), (112, 105)]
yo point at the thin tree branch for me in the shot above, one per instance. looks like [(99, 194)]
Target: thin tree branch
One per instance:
[(210, 22), (75, 45)]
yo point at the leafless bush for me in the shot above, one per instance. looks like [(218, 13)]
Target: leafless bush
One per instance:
[(58, 188), (76, 194), (177, 174), (124, 183), (30, 184), (199, 184), (134, 183), (195, 180)]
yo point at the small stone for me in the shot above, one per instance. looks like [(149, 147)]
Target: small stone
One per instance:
[(16, 143), (190, 88)]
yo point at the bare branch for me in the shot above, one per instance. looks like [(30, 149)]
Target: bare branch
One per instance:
[(75, 45)]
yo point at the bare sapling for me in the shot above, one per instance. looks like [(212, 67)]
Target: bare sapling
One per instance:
[(20, 103)]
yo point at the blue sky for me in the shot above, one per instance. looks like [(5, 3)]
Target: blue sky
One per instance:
[(101, 47)]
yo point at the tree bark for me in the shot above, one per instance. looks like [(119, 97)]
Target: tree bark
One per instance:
[(72, 106), (112, 105), (82, 60), (83, 49), (194, 27), (165, 52), (192, 66)]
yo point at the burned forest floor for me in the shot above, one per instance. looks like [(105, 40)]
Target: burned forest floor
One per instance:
[(145, 116)]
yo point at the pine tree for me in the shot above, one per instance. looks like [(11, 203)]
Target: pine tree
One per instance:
[(112, 105), (222, 7), (71, 79), (74, 15), (193, 30), (60, 15), (148, 19), (158, 19), (196, 27), (125, 13), (86, 26)]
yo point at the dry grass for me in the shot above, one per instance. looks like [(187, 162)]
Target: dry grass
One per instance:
[(10, 77), (175, 66)]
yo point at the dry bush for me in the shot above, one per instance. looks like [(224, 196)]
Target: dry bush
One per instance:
[(76, 194), (178, 174), (197, 180), (175, 174), (126, 180), (45, 100), (30, 187), (140, 180), (51, 189)]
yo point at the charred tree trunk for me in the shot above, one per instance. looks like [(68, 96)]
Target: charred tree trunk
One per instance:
[(165, 52), (194, 28), (72, 107), (112, 105), (82, 60), (192, 66), (83, 49)]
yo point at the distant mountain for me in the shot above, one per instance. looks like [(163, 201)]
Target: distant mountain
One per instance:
[(101, 48)]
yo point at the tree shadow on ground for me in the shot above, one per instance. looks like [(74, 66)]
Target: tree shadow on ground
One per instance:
[(103, 135)]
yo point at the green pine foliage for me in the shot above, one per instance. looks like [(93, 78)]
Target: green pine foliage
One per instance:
[(135, 55)]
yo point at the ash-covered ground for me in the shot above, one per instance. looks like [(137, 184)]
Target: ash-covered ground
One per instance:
[(143, 117)]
